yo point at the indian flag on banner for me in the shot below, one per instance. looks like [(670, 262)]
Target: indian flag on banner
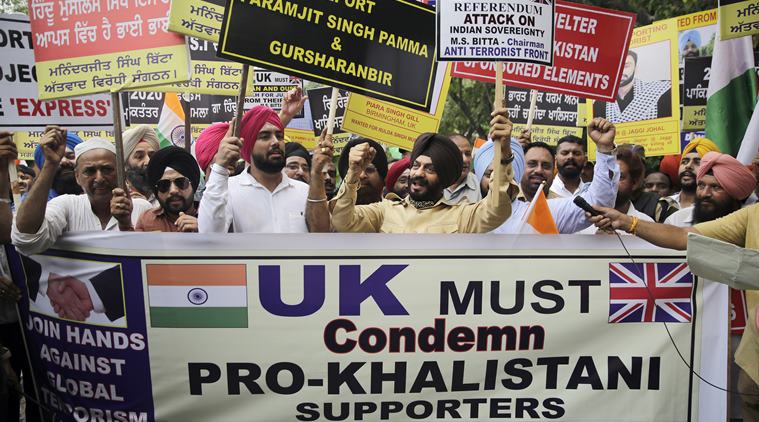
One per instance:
[(171, 123), (731, 96), (197, 295)]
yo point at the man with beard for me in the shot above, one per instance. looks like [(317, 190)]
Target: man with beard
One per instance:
[(39, 223), (174, 175), (539, 160), (719, 191), (297, 162), (568, 217), (483, 163), (436, 164), (261, 199), (689, 164), (329, 174), (397, 177), (26, 177), (372, 178), (465, 187), (64, 182), (636, 100), (140, 143), (570, 160)]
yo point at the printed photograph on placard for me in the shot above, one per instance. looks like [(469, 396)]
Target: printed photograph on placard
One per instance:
[(645, 90)]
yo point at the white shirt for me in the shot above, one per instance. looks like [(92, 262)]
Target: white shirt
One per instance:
[(682, 218), (249, 207), (558, 188), (631, 211), (570, 218), (68, 213)]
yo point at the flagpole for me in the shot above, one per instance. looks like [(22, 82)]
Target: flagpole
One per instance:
[(240, 102), (187, 124), (497, 143)]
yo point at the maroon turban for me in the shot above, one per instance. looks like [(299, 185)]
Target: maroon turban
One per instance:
[(733, 176), (395, 172), (670, 165), (252, 122), (207, 144)]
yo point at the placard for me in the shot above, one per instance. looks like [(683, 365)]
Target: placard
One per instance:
[(738, 18), (556, 115), (197, 18)]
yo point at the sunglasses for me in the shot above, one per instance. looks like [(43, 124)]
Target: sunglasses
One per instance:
[(164, 185)]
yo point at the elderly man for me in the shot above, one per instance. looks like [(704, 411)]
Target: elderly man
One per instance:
[(465, 187), (371, 178), (602, 190), (140, 143), (397, 177), (39, 223), (174, 175), (64, 182), (261, 199), (740, 228), (437, 163), (689, 163)]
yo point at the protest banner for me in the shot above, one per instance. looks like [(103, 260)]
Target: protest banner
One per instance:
[(87, 47), (696, 72), (392, 124), (197, 18), (269, 89), (738, 18), (327, 43), (555, 116), (27, 141), (319, 101), (589, 55), (383, 334), (20, 107), (697, 32), (514, 31), (646, 110)]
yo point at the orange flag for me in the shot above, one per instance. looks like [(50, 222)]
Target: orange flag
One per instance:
[(538, 219)]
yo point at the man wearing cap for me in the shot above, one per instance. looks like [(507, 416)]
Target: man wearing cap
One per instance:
[(689, 163), (297, 162), (140, 143), (39, 223), (261, 199), (740, 228), (372, 177), (64, 181), (436, 164), (570, 218), (465, 187), (174, 175)]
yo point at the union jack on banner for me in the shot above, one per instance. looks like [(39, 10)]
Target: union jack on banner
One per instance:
[(667, 298)]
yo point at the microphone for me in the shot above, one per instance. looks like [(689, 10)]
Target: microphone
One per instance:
[(582, 203)]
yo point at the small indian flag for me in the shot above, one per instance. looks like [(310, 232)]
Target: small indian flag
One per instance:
[(538, 218), (171, 123), (197, 295)]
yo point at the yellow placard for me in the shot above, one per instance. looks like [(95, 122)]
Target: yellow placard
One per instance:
[(196, 18), (26, 142), (640, 114), (308, 140), (738, 19), (112, 72), (547, 134), (697, 20), (390, 123), (694, 117), (210, 77)]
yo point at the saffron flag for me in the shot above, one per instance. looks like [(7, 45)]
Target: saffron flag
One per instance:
[(538, 218), (197, 295), (650, 292), (171, 123)]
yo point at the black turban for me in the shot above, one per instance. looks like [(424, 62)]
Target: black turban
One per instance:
[(380, 159), (445, 156), (294, 149), (176, 158)]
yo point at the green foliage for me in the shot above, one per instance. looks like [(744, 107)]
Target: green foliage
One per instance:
[(14, 6)]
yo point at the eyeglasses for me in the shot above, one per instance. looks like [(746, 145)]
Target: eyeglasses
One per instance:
[(164, 185)]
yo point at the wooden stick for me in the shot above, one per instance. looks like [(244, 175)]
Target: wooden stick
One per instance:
[(497, 143), (240, 102), (533, 108), (332, 111), (120, 174), (13, 173), (187, 125)]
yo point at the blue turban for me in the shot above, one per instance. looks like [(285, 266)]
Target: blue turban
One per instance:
[(71, 141), (484, 156)]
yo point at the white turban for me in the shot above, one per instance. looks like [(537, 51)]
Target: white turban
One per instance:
[(133, 136), (93, 143)]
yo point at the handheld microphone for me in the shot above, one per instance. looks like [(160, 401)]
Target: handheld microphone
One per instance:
[(582, 203)]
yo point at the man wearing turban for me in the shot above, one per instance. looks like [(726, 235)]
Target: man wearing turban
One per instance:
[(436, 164), (397, 177), (64, 181), (140, 143), (297, 162), (174, 175), (261, 199), (372, 178), (689, 163)]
